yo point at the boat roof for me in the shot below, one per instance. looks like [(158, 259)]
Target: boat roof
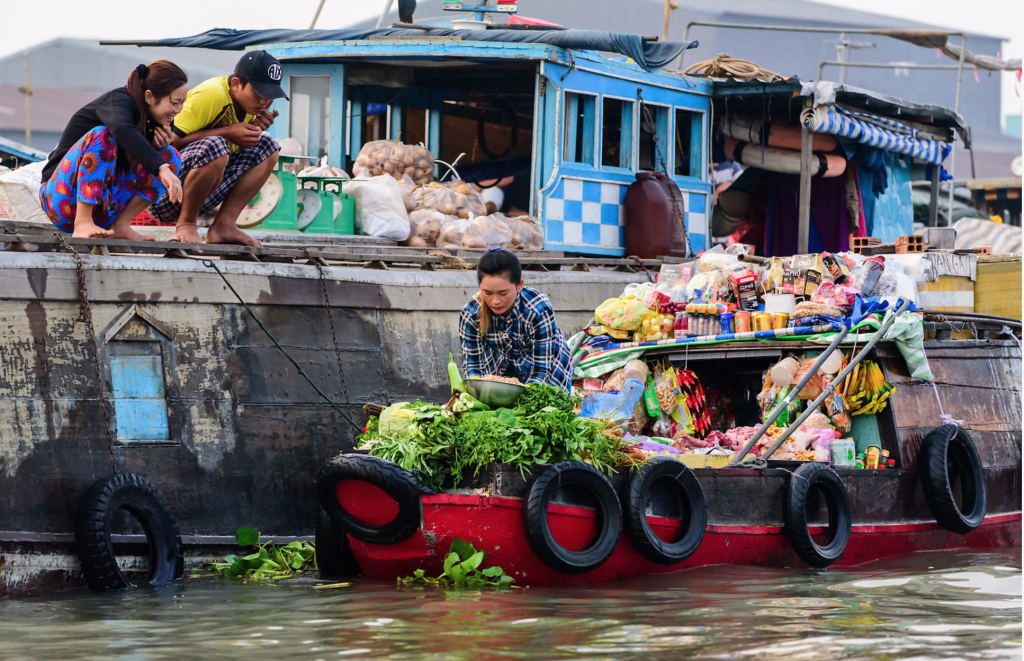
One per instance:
[(648, 55)]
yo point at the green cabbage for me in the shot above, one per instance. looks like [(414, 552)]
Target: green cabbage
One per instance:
[(398, 421)]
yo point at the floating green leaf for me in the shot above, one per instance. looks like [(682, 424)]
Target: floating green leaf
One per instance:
[(461, 569)]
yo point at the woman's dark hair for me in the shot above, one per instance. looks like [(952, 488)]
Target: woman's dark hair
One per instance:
[(160, 78), (496, 263)]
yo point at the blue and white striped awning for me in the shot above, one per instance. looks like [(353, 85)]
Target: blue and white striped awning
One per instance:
[(873, 131)]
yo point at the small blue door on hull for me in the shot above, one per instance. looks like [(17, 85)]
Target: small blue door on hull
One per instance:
[(139, 403)]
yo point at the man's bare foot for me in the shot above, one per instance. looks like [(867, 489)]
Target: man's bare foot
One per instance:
[(129, 234), (186, 234), (219, 233), (90, 230)]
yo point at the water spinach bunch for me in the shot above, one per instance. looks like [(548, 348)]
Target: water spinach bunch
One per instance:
[(462, 570), (269, 561), (442, 445)]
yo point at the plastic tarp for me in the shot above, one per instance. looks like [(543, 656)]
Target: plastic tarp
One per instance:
[(940, 40), (890, 214), (649, 56), (829, 119)]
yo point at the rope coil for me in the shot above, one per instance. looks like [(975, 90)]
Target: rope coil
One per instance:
[(724, 65)]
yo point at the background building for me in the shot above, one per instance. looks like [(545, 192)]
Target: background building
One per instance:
[(65, 74)]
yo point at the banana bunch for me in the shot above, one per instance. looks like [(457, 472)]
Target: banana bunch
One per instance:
[(867, 390)]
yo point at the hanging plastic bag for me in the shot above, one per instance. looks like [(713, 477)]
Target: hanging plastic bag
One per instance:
[(622, 313), (379, 207)]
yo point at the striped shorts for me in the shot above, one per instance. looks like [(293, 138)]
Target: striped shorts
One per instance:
[(203, 152)]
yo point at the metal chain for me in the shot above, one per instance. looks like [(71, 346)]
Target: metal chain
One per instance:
[(85, 316), (330, 319)]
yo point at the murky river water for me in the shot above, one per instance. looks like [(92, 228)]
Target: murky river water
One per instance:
[(923, 606)]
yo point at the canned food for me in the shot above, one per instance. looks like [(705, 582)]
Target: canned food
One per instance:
[(780, 320), (742, 321), (762, 321), (726, 322)]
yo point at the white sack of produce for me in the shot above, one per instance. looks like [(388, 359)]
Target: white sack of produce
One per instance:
[(407, 186), (19, 192), (426, 227), (475, 233), (322, 169), (395, 158), (379, 207), (526, 233), (448, 199)]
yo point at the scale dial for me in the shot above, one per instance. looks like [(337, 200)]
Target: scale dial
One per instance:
[(308, 206), (261, 206)]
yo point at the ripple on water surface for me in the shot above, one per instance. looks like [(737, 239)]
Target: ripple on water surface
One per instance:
[(922, 606)]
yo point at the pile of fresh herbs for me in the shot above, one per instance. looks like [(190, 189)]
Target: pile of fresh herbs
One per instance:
[(442, 445), (462, 569), (269, 561)]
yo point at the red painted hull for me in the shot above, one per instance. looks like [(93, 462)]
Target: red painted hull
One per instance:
[(495, 525)]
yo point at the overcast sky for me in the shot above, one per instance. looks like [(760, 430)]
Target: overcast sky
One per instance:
[(29, 23)]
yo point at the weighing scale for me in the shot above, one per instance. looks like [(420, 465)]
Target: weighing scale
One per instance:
[(287, 202)]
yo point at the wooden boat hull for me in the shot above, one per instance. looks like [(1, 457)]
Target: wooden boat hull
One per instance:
[(495, 525)]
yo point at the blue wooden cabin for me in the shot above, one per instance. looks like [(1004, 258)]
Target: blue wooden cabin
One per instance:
[(585, 123)]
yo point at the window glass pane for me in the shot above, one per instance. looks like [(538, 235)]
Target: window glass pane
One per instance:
[(686, 160), (414, 126), (653, 121), (579, 128), (616, 133), (309, 116)]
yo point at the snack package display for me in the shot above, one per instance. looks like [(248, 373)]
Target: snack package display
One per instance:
[(379, 207), (394, 158), (474, 233), (813, 387)]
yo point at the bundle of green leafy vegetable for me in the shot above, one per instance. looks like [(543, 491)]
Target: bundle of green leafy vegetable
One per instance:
[(441, 445)]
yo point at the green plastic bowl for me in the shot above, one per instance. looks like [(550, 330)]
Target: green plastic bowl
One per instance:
[(496, 394)]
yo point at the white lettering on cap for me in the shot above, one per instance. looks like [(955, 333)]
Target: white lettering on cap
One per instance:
[(274, 72)]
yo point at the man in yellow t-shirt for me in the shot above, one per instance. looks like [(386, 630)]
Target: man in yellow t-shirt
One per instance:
[(225, 155)]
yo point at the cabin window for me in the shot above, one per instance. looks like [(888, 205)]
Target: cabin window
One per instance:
[(653, 123), (578, 146), (375, 119), (616, 133), (414, 125), (137, 379), (687, 149), (310, 113)]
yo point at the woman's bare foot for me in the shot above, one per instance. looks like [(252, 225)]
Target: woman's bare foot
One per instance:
[(90, 230), (221, 233), (128, 233), (186, 233)]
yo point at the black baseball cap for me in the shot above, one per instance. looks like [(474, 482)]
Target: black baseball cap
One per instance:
[(263, 71)]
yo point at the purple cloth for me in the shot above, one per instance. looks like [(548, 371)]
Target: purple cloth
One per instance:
[(829, 219)]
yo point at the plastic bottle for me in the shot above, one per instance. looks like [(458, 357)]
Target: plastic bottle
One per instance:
[(867, 275), (891, 463), (859, 461), (682, 325)]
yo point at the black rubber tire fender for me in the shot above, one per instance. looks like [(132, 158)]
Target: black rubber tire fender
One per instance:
[(334, 558), (695, 519), (840, 514), (93, 542), (392, 479), (940, 448), (535, 517)]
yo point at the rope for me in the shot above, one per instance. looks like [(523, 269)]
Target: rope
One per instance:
[(277, 344), (724, 65), (945, 417)]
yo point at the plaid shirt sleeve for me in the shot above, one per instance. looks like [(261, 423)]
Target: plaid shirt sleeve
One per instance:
[(471, 340), (550, 360)]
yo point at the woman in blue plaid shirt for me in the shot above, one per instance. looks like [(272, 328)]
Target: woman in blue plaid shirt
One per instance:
[(509, 330)]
